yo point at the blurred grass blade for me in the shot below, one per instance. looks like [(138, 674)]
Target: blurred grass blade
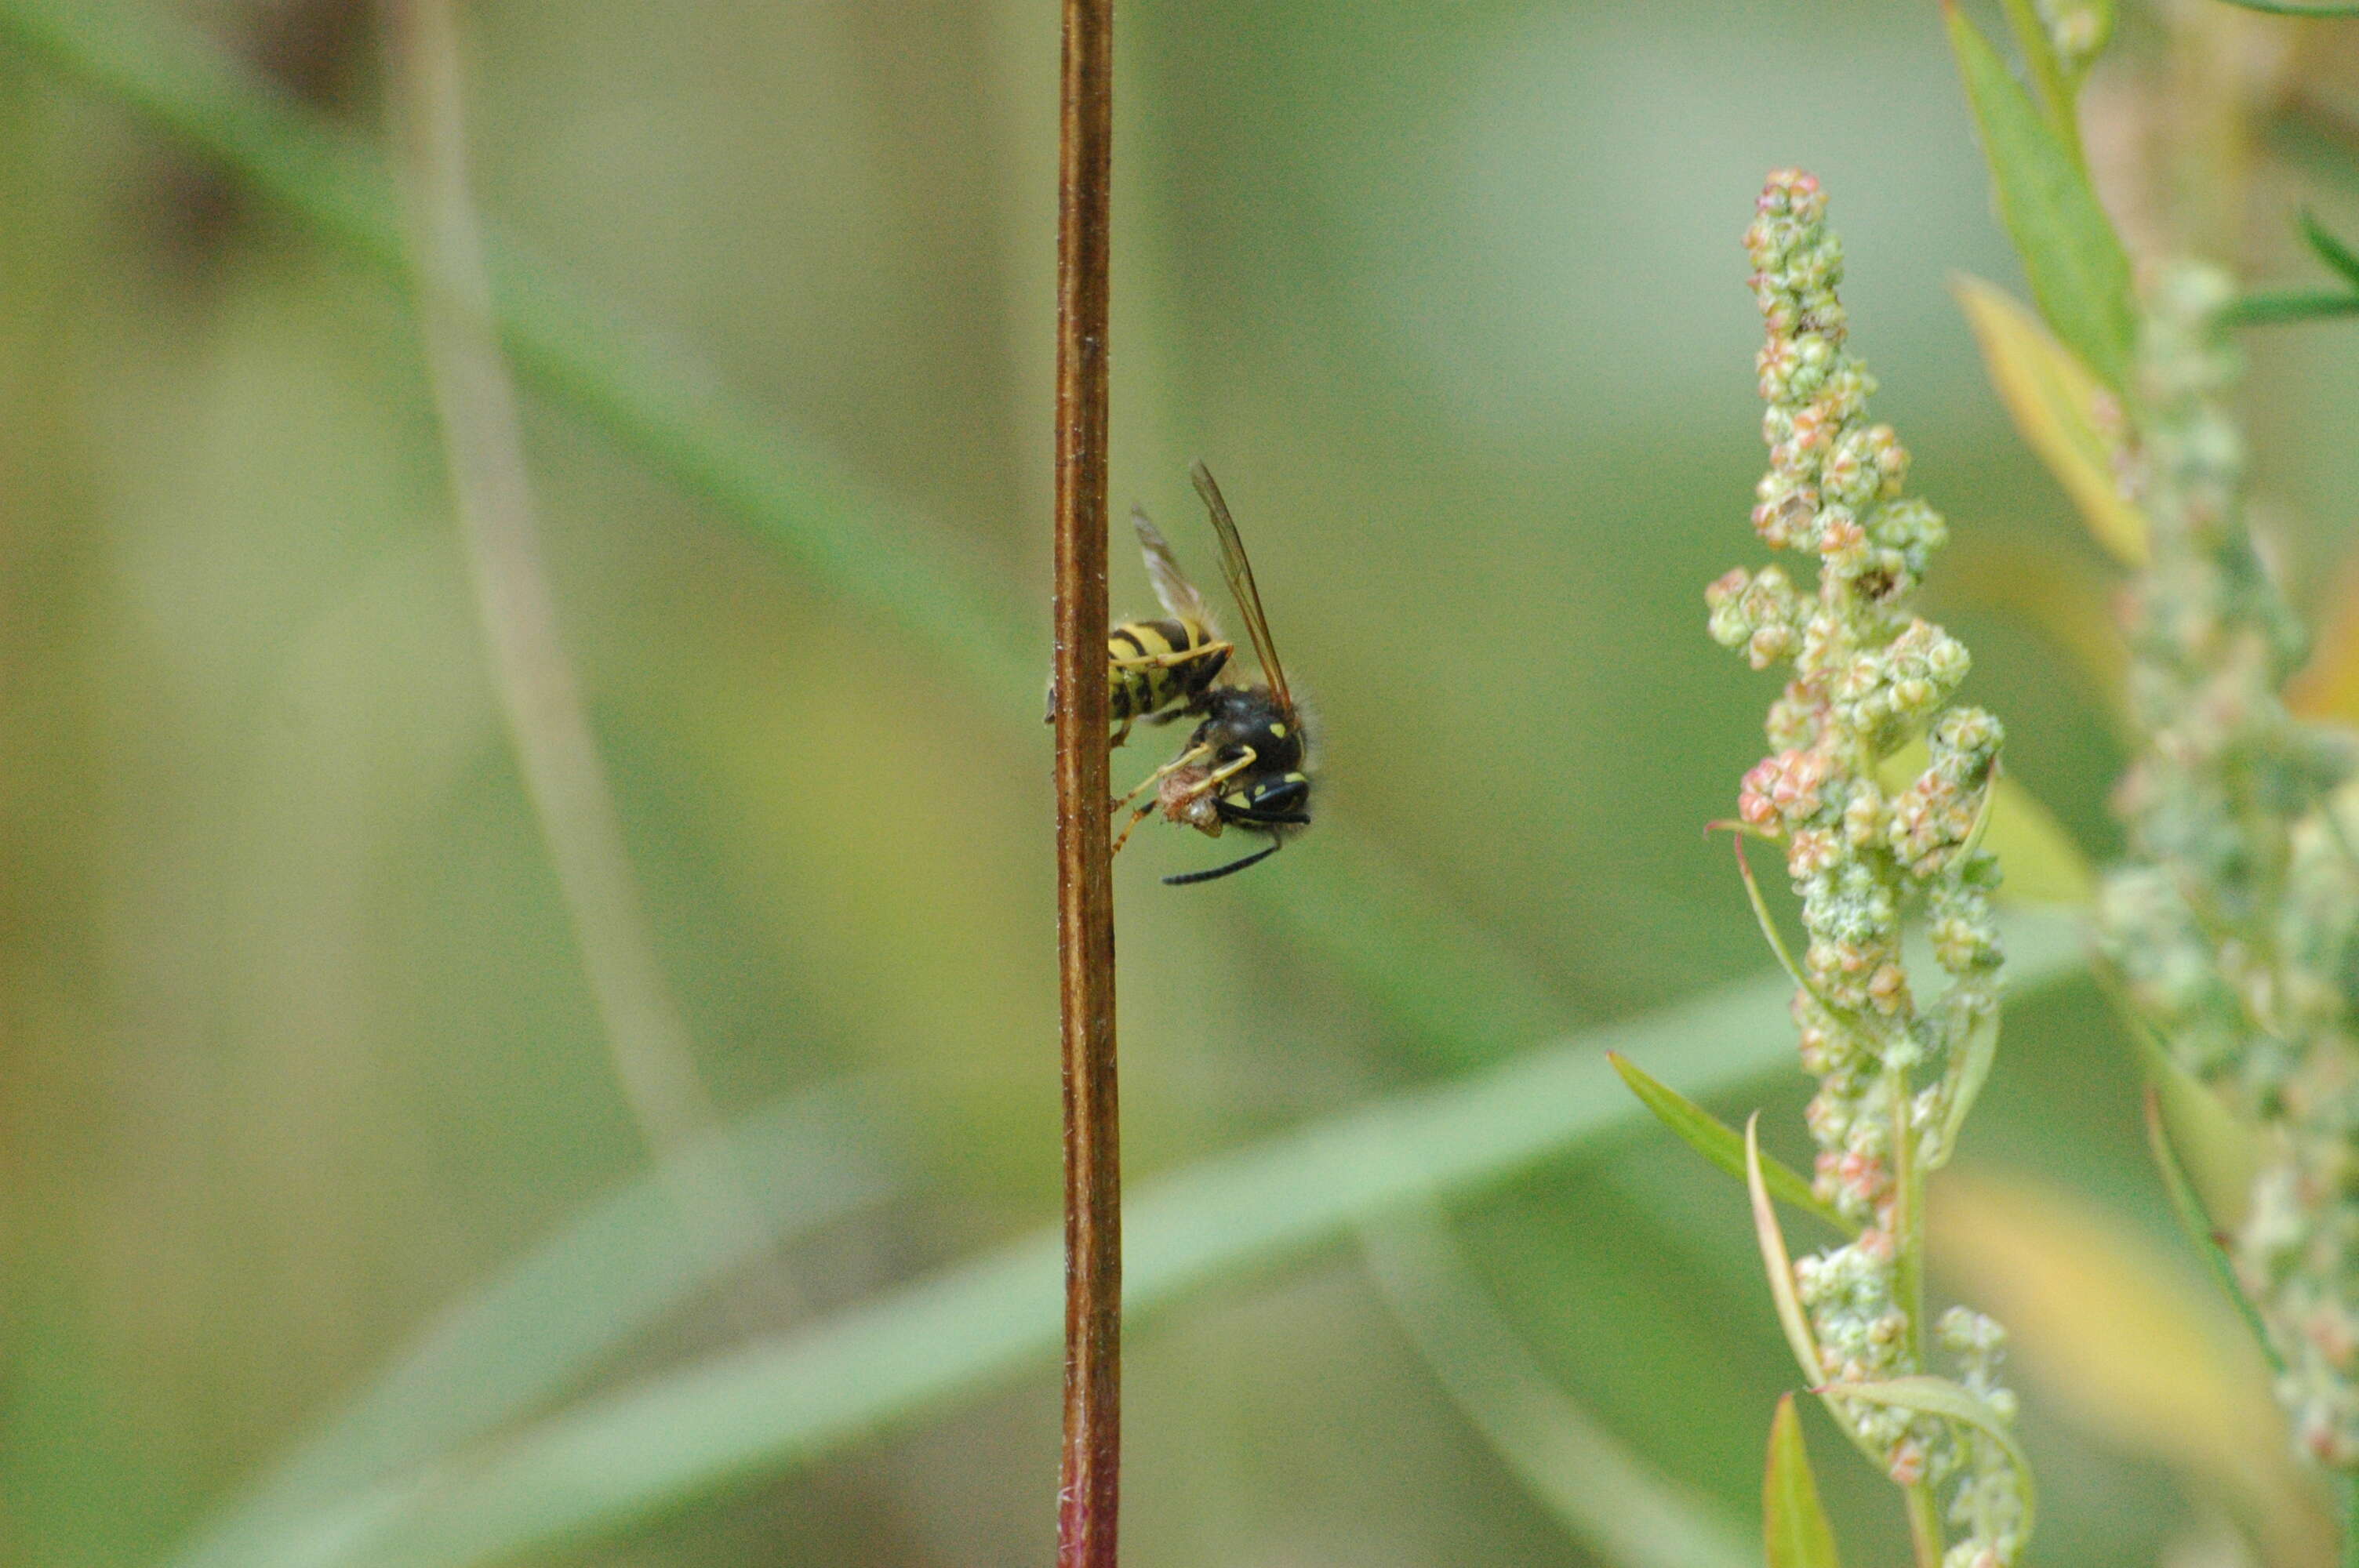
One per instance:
[(2330, 250), (2125, 1345), (1793, 1519), (828, 523), (1433, 967), (2215, 1149), (1776, 1262), (551, 1318), (2054, 402), (1619, 1508), (771, 1407), (2201, 1234), (1721, 1144), (1954, 1402), (2078, 270)]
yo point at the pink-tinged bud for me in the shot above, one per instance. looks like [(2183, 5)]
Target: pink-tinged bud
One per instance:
[(1905, 1464)]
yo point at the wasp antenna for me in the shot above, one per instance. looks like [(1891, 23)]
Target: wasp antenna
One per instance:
[(1186, 878)]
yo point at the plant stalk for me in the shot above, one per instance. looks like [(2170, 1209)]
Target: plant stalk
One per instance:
[(1924, 1525), (1089, 1491)]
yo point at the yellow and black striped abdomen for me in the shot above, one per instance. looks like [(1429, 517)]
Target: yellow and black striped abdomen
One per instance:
[(1160, 663)]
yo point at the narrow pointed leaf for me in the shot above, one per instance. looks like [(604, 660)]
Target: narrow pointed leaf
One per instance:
[(1793, 1519), (1774, 1260), (2295, 9), (2078, 270), (2290, 307), (2047, 74), (2057, 409), (1769, 923), (2330, 250), (1721, 1144), (1951, 1401), (1975, 1056)]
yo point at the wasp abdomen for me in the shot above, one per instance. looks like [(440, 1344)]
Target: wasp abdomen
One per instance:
[(1158, 664)]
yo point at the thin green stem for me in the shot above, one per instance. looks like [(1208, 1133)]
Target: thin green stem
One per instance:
[(2296, 8), (1924, 1525), (1907, 1221), (2284, 307)]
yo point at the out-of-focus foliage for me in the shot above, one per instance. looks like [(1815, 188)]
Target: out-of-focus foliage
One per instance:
[(297, 1051)]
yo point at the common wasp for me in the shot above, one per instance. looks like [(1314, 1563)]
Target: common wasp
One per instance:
[(1245, 765)]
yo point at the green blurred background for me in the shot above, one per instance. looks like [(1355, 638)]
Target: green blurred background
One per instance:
[(297, 1043)]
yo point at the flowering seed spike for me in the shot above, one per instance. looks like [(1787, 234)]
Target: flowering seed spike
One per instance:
[(1868, 678), (2232, 927)]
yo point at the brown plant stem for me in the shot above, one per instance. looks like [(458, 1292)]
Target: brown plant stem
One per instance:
[(1089, 1488)]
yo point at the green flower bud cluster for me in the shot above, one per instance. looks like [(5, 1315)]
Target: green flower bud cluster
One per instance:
[(2077, 30), (1868, 678), (2234, 931), (1986, 1506)]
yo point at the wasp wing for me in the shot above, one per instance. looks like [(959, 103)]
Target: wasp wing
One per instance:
[(1239, 572), (1178, 595)]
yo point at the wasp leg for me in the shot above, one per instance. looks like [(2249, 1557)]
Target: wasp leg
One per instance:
[(1220, 776), (1187, 758)]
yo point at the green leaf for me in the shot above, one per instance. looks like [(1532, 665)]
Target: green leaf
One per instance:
[(2056, 405), (1721, 1144), (1951, 1401), (1777, 1262), (1793, 1519), (2047, 72), (1768, 923), (2289, 306), (2330, 250), (1967, 1076), (2295, 9), (2078, 270)]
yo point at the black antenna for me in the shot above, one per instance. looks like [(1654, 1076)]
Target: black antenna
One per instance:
[(1256, 859)]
